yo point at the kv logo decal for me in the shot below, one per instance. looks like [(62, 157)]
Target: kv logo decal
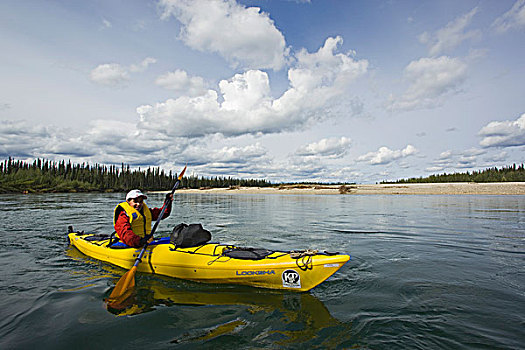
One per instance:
[(291, 279)]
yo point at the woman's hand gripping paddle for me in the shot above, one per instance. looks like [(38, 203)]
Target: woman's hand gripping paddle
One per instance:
[(126, 283)]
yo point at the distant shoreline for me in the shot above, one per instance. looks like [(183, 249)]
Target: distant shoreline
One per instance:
[(457, 188)]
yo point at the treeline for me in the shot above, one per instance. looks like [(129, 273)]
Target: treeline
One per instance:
[(222, 182), (511, 173), (43, 175)]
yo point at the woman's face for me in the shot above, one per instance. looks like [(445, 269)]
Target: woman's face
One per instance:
[(136, 203)]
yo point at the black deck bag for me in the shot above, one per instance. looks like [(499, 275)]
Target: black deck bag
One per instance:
[(97, 237), (247, 253), (185, 236)]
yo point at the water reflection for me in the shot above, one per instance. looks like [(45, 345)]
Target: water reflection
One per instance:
[(296, 318)]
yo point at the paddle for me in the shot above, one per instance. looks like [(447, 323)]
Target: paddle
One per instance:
[(127, 281)]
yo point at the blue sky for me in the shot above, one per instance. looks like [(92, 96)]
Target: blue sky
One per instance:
[(351, 91)]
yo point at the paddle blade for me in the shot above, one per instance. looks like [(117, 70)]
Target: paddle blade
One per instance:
[(121, 302), (182, 173), (125, 284)]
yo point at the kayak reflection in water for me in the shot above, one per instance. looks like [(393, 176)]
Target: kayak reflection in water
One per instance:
[(132, 219), (291, 318)]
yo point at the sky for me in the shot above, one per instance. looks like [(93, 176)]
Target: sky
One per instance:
[(326, 91)]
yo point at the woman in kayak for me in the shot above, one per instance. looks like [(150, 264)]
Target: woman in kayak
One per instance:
[(132, 219)]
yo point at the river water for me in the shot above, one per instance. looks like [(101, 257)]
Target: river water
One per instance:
[(427, 272)]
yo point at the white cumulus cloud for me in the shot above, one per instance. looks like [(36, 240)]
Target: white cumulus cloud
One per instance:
[(245, 105), (325, 68), (507, 133), (245, 92), (180, 82), (430, 81), (114, 74), (109, 74), (244, 36), (385, 155), (332, 147), (142, 66)]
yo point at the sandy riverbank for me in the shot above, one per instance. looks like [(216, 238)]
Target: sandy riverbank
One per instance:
[(499, 188)]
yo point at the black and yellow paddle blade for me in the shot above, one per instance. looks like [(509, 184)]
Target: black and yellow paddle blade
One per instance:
[(124, 286)]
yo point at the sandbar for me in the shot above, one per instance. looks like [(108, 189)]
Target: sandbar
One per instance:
[(457, 188)]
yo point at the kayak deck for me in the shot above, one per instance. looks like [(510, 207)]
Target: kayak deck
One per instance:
[(208, 263)]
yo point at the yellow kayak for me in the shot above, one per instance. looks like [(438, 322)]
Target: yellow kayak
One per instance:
[(218, 263)]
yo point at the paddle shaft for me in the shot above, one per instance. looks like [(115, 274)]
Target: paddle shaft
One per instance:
[(167, 202), (127, 281)]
